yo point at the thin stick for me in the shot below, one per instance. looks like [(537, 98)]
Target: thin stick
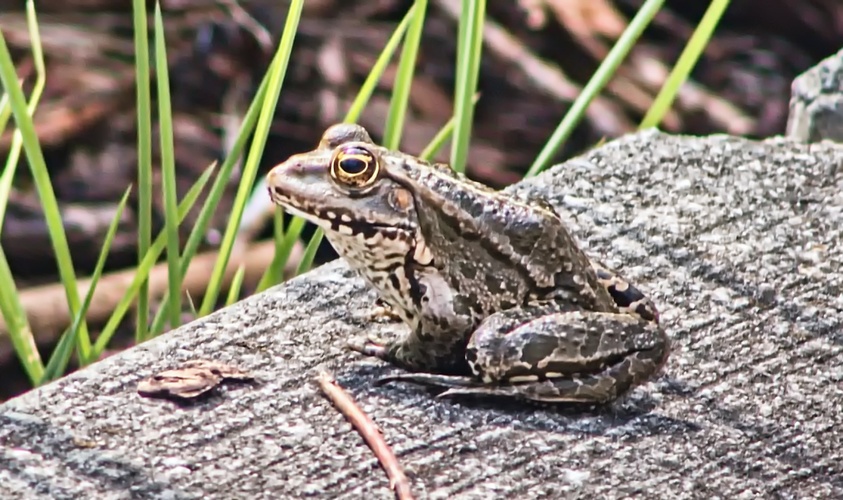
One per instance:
[(370, 432)]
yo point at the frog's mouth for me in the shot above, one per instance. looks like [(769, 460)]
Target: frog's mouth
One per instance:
[(351, 226), (340, 221)]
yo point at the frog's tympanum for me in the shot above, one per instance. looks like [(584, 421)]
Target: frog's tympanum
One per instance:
[(499, 298)]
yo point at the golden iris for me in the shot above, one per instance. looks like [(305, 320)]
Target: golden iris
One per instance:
[(354, 166)]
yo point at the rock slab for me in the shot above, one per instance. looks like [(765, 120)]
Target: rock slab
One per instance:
[(816, 102), (738, 242)]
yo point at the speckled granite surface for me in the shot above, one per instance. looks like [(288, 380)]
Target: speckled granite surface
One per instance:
[(738, 242)]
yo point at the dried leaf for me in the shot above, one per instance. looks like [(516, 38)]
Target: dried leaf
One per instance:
[(193, 379)]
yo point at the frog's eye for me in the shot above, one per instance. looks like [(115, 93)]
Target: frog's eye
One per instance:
[(354, 166)]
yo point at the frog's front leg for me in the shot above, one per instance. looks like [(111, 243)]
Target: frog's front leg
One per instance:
[(416, 352), (383, 312), (577, 356)]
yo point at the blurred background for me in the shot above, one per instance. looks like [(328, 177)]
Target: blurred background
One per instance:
[(537, 56)]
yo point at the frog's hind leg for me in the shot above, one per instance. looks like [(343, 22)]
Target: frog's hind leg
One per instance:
[(577, 356)]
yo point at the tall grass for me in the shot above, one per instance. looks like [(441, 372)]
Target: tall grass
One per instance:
[(76, 339), (144, 124), (277, 71)]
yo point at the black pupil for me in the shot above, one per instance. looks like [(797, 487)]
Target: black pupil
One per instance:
[(353, 165)]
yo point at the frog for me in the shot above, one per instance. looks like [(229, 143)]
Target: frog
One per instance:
[(499, 298)]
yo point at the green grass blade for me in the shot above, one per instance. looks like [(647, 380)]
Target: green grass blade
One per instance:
[(9, 171), (144, 124), (470, 47), (191, 306), (236, 285), (41, 176), (278, 70), (374, 76), (438, 142), (404, 78), (168, 170), (445, 133), (215, 194), (37, 55), (689, 57), (284, 246), (6, 110), (310, 251), (356, 108), (59, 359), (11, 161), (17, 323), (143, 269), (61, 355), (275, 272), (595, 84)]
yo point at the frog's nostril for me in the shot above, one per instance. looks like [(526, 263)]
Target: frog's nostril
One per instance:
[(282, 170)]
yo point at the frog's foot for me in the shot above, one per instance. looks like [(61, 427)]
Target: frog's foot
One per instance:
[(431, 379), (628, 298), (371, 345), (383, 313), (510, 391), (547, 391)]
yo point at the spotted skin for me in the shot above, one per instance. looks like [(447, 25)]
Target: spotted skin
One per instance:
[(498, 296)]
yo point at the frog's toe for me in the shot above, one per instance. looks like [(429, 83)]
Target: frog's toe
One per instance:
[(430, 379), (374, 339), (383, 313), (482, 390), (566, 391), (367, 347)]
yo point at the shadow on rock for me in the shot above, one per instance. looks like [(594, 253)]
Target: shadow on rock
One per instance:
[(633, 416)]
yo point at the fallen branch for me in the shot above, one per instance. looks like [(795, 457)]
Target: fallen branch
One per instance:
[(48, 314), (370, 432)]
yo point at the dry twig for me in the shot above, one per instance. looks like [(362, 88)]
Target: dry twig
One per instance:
[(370, 432)]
